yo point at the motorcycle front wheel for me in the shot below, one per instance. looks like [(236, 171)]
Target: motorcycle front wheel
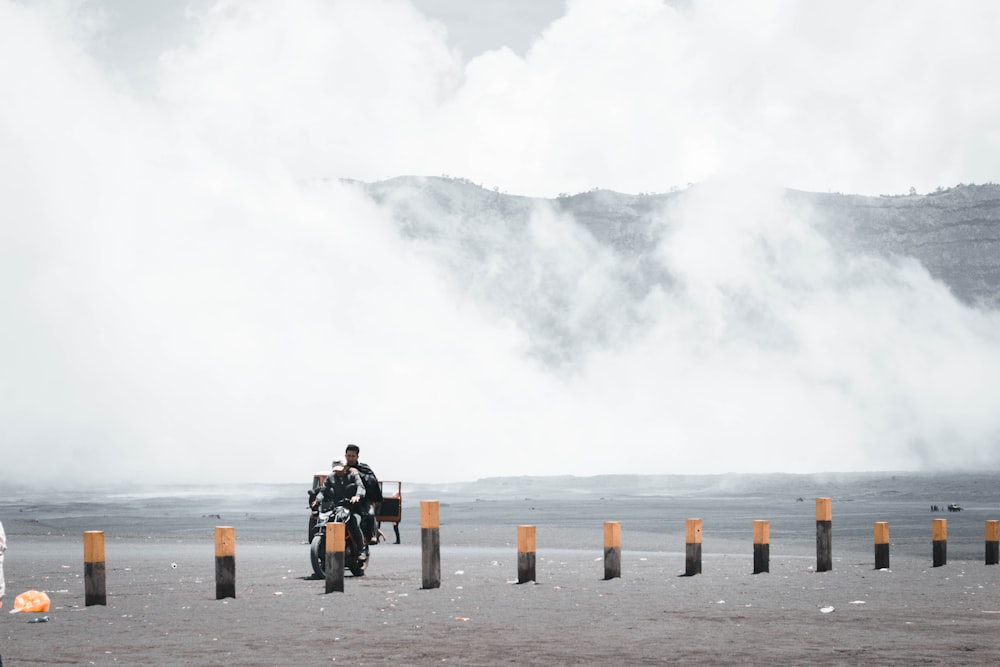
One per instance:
[(317, 555)]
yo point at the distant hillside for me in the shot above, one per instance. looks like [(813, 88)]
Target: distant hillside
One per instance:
[(955, 234), (574, 291), (844, 486)]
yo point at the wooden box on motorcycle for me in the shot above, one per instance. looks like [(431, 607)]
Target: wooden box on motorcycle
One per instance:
[(391, 507), (318, 480)]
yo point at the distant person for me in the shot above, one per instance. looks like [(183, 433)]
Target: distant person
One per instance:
[(3, 548), (395, 527), (373, 492), (344, 487)]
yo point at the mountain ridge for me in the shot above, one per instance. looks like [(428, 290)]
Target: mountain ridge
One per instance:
[(579, 272), (914, 225)]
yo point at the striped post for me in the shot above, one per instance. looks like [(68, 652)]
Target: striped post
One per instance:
[(824, 535), (993, 542), (612, 549), (692, 539), (881, 545), (761, 546), (940, 536), (334, 563), (94, 568), (225, 562), (430, 543), (525, 554)]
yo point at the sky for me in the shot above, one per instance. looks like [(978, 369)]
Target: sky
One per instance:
[(181, 302)]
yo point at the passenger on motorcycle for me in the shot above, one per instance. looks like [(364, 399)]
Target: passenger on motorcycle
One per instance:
[(344, 487), (366, 511)]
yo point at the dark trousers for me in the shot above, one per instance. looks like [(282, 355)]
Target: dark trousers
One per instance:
[(367, 516), (356, 534)]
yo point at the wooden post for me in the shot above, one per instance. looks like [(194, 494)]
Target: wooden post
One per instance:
[(430, 542), (993, 542), (824, 535), (334, 563), (525, 554), (94, 568), (881, 545), (761, 546), (940, 536), (612, 549), (225, 562), (692, 562)]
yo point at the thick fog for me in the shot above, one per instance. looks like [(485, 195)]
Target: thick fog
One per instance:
[(188, 292)]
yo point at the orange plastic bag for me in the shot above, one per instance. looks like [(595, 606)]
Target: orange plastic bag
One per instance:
[(31, 601)]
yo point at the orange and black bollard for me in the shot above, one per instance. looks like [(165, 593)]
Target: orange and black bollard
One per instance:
[(430, 543), (692, 540), (993, 542), (940, 537), (761, 546), (225, 562), (824, 535), (525, 554), (334, 557), (881, 545), (612, 549), (94, 568)]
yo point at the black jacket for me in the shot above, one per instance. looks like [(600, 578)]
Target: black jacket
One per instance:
[(372, 489), (338, 489)]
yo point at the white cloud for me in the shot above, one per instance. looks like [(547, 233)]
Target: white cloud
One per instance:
[(177, 297), (633, 95), (339, 89)]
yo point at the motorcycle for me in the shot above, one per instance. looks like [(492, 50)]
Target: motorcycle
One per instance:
[(317, 545)]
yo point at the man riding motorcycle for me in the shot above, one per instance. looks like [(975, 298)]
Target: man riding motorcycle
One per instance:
[(344, 487)]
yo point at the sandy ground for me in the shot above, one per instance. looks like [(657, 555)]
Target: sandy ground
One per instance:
[(162, 609)]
